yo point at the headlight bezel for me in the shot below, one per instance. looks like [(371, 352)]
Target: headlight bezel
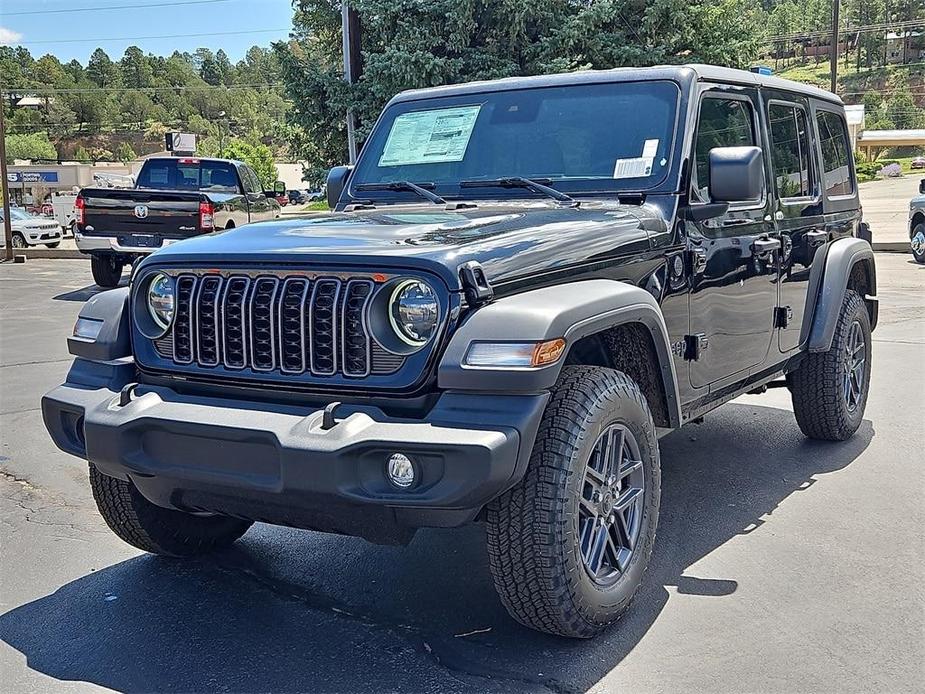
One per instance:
[(383, 325), (149, 322)]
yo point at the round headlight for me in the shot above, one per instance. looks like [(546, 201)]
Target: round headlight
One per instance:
[(413, 311), (161, 293)]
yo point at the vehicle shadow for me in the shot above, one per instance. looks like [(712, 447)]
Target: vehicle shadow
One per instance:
[(286, 610), (85, 293)]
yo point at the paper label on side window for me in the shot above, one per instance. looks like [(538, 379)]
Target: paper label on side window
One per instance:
[(428, 137), (637, 167)]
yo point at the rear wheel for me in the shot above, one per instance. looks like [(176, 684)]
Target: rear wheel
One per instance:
[(107, 270), (918, 242), (568, 546), (829, 389), (159, 530)]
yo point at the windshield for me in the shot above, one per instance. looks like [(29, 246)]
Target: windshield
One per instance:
[(577, 138), (188, 174), (17, 215)]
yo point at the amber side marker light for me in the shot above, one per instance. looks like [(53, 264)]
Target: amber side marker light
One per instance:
[(515, 354)]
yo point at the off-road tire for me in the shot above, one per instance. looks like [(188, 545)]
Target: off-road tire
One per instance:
[(532, 529), (817, 384), (107, 271), (159, 530)]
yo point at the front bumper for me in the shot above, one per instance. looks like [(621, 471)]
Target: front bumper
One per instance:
[(91, 244), (276, 463)]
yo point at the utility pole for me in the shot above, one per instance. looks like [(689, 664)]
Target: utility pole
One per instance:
[(353, 67), (833, 49), (7, 228)]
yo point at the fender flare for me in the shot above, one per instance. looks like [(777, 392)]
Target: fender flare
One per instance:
[(572, 311), (839, 261), (113, 341)]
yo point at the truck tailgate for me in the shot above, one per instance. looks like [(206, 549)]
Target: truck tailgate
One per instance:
[(149, 215)]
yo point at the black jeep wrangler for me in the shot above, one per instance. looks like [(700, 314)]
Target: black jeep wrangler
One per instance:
[(523, 284)]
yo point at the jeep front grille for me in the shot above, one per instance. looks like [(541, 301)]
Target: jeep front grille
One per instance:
[(276, 323)]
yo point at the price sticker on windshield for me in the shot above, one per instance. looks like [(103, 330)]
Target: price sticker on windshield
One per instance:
[(429, 137)]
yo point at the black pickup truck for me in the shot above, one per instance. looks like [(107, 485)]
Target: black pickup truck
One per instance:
[(173, 199)]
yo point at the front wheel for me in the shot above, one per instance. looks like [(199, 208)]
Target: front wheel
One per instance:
[(918, 242), (569, 544), (159, 530), (19, 241), (106, 269), (829, 389)]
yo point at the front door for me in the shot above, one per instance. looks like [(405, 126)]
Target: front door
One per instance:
[(733, 257)]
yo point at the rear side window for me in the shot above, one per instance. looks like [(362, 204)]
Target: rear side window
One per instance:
[(188, 174), (790, 151), (836, 159), (723, 122)]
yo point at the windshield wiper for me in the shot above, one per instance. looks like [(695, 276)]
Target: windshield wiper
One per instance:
[(406, 185), (520, 182)]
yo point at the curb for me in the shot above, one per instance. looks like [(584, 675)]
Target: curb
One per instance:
[(891, 247)]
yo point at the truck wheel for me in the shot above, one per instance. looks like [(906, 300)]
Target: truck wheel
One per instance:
[(569, 544), (918, 242), (159, 530), (107, 270), (829, 389)]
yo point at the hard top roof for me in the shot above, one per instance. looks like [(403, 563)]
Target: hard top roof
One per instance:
[(680, 73)]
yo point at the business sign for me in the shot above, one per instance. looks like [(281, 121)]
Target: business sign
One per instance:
[(32, 176), (180, 142)]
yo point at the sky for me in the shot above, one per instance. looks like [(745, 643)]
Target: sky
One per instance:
[(64, 27)]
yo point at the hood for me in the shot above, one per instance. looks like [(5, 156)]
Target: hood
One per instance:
[(510, 241)]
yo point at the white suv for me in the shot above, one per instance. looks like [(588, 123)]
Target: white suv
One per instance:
[(31, 231)]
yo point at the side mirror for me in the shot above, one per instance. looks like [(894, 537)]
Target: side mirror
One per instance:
[(922, 186), (279, 187), (736, 174), (337, 181)]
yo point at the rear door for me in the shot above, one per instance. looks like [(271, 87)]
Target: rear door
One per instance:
[(734, 275), (797, 207)]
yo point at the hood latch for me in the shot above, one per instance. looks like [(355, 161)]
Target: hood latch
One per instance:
[(475, 284)]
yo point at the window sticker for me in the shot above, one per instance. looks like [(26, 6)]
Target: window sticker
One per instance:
[(650, 148), (637, 167), (427, 137)]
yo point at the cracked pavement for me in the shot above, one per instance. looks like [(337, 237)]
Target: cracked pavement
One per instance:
[(781, 564)]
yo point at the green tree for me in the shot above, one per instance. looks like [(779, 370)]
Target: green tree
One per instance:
[(125, 153), (136, 69), (29, 146), (82, 154), (101, 70), (252, 152)]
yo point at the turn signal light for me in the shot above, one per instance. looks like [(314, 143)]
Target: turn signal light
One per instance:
[(548, 352), (515, 354)]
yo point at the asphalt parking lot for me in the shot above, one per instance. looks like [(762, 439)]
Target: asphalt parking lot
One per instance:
[(781, 564)]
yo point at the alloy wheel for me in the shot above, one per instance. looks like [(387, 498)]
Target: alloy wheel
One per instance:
[(855, 360), (18, 241), (611, 505)]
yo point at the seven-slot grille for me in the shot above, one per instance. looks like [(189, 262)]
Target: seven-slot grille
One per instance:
[(291, 325)]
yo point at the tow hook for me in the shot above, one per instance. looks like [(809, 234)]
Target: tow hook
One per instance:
[(125, 395), (328, 421)]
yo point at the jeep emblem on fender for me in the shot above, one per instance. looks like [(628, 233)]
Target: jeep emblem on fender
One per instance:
[(141, 211)]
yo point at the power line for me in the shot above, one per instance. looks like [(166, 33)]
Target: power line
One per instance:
[(115, 7), (160, 36), (97, 90)]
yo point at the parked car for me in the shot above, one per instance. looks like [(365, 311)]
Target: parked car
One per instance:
[(282, 198), (297, 197), (918, 163), (917, 224), (30, 230), (173, 199), (511, 302)]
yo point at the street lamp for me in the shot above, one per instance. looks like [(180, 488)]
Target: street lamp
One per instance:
[(221, 135)]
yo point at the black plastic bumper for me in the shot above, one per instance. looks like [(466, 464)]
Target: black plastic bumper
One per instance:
[(277, 464)]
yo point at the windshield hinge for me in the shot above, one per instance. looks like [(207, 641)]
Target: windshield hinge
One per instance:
[(631, 198), (475, 285)]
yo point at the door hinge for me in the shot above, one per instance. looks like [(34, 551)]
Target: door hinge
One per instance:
[(782, 316), (691, 348)]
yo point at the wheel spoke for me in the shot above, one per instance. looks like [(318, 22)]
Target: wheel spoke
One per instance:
[(611, 452), (589, 507), (629, 467), (615, 552), (627, 499), (622, 529), (596, 545)]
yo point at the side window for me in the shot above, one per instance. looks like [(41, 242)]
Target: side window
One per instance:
[(249, 180), (723, 122), (836, 160), (790, 151)]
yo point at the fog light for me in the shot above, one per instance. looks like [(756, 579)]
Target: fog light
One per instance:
[(401, 470)]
